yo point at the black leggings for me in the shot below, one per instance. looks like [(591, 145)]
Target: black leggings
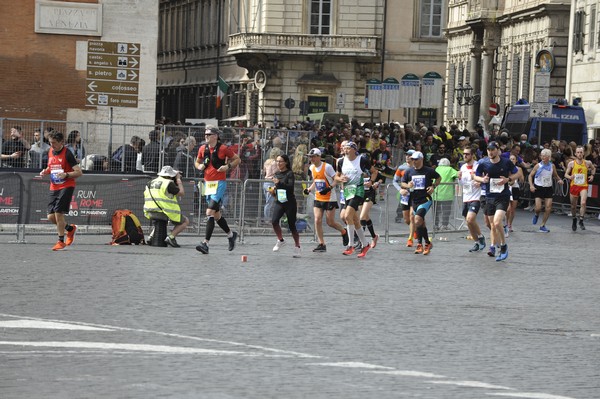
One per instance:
[(289, 208)]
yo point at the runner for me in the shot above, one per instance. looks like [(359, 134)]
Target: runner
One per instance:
[(215, 159), (350, 171), (323, 175), (580, 172), (540, 183), (498, 173), (471, 198), (404, 197), (421, 181), (372, 185)]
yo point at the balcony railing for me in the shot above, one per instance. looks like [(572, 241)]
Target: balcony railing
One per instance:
[(277, 43)]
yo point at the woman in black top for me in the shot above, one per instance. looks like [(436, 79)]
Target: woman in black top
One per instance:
[(285, 203)]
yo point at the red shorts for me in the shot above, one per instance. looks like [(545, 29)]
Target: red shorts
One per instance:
[(576, 190)]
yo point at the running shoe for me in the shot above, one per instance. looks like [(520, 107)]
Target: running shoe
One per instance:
[(71, 235), (358, 246), (409, 242), (278, 245), (232, 240), (492, 251), (320, 248), (172, 242), (202, 247), (374, 241), (481, 243), (544, 229), (535, 218), (581, 225), (345, 238), (364, 251), (349, 251), (59, 246), (476, 247), (427, 248), (503, 254), (297, 252), (419, 249), (574, 226)]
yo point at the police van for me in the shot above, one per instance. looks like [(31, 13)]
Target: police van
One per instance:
[(566, 122)]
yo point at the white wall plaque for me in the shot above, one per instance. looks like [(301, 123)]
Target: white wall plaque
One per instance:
[(62, 18)]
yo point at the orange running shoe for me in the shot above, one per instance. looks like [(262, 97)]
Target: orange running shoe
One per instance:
[(427, 249), (409, 242), (59, 246), (364, 251), (71, 235), (419, 249), (374, 241), (349, 251)]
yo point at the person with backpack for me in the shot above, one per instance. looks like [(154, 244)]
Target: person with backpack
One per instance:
[(215, 160), (160, 196), (63, 169)]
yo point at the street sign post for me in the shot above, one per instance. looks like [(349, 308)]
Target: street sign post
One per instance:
[(494, 109), (112, 77)]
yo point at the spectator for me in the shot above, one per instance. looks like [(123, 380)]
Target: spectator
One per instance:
[(443, 196), (75, 145), (151, 153), (38, 154), (270, 168), (125, 157), (14, 151), (185, 158)]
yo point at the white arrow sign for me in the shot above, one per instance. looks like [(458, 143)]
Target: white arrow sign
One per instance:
[(92, 86), (134, 48), (134, 62), (91, 99), (132, 75)]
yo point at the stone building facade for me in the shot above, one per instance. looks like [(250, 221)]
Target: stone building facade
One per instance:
[(495, 47), (310, 52), (584, 60)]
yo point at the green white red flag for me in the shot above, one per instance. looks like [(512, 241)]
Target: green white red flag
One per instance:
[(222, 88)]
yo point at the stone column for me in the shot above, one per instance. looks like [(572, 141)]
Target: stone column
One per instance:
[(475, 82), (487, 79)]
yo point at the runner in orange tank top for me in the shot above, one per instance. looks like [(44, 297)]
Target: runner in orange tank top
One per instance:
[(580, 172)]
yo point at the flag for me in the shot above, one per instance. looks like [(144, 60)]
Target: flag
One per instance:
[(222, 88)]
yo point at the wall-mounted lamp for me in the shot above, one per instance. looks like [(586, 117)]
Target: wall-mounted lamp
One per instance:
[(465, 96)]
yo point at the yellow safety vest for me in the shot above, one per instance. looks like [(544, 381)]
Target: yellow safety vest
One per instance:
[(163, 201)]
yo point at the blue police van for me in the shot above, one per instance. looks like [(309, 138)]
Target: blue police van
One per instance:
[(567, 122)]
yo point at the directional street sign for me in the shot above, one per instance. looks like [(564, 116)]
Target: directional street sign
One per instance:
[(112, 77), (540, 110)]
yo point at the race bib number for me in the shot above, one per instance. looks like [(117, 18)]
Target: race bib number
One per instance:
[(419, 182), (350, 191), (579, 179), (404, 199), (546, 181), (320, 185), (342, 198), (54, 176), (281, 195), (210, 187), (468, 188), (496, 185)]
